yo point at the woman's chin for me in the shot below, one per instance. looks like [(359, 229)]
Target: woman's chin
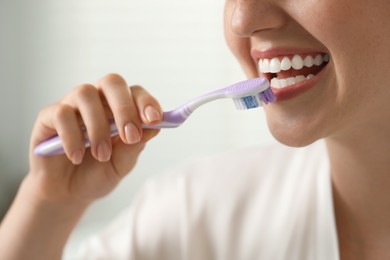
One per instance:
[(293, 134)]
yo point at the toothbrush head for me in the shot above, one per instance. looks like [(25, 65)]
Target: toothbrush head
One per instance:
[(251, 93)]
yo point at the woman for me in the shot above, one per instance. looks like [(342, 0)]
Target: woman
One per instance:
[(327, 200)]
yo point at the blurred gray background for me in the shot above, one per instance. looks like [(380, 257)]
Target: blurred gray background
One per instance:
[(173, 48)]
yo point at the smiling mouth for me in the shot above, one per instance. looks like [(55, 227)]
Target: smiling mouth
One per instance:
[(285, 71)]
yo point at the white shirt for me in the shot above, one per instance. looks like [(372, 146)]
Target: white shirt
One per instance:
[(264, 203)]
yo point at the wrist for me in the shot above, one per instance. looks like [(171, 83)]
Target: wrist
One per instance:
[(35, 195), (37, 227)]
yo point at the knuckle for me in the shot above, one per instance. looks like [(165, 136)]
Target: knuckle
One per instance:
[(45, 111), (123, 105), (137, 88), (125, 114), (125, 111), (85, 91), (112, 79), (62, 111), (141, 95)]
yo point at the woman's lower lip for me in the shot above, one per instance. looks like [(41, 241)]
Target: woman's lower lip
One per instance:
[(292, 91)]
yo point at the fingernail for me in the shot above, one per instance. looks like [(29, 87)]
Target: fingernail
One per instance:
[(152, 114), (77, 157), (132, 134), (104, 152)]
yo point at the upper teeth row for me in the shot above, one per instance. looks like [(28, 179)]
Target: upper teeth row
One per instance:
[(278, 64)]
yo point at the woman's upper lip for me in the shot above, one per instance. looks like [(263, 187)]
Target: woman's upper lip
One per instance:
[(282, 51)]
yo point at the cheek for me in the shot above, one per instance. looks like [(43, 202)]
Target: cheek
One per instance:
[(356, 33), (358, 43)]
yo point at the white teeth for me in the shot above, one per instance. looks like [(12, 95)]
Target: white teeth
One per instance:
[(299, 78), (264, 65), (308, 61), (277, 64), (285, 64), (282, 83), (318, 60), (274, 65), (297, 62), (326, 58)]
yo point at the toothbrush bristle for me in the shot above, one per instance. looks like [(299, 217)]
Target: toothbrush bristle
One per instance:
[(267, 96), (249, 102)]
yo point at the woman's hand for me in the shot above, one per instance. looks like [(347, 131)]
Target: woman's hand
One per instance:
[(83, 175), (57, 190)]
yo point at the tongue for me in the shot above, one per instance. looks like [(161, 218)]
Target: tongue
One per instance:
[(304, 71)]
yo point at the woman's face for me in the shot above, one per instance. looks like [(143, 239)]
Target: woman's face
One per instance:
[(347, 87)]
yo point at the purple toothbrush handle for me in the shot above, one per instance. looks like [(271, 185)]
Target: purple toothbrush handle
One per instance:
[(53, 146), (171, 119)]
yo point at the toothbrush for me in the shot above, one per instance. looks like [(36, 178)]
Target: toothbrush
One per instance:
[(246, 94)]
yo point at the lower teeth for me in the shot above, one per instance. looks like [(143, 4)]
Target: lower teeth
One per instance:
[(282, 83)]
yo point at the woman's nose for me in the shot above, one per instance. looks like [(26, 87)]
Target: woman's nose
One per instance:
[(251, 16)]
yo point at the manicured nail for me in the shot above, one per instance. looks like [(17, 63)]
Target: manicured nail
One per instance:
[(152, 114), (132, 134), (77, 157), (104, 152)]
